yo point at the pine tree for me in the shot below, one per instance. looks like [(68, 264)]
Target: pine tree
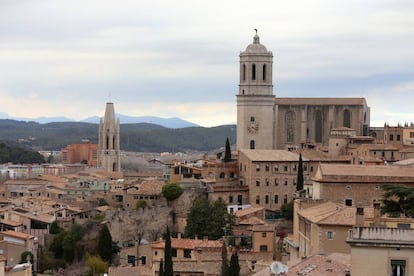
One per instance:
[(105, 244), (227, 153), (168, 266), (234, 269), (299, 180), (224, 261)]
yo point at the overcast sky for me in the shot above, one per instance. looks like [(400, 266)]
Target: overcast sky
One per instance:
[(180, 58)]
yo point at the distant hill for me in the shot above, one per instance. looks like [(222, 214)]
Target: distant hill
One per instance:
[(143, 137), (124, 119)]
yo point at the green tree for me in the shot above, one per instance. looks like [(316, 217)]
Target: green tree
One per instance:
[(69, 246), (227, 153), (140, 204), (168, 266), (234, 269), (96, 265), (398, 200), (208, 219), (105, 244), (54, 228), (172, 191), (26, 257), (287, 210), (161, 272), (299, 180), (224, 260), (56, 245)]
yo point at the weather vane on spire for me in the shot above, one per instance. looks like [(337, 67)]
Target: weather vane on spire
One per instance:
[(256, 31)]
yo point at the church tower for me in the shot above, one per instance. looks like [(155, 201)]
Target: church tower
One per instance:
[(109, 153), (255, 101)]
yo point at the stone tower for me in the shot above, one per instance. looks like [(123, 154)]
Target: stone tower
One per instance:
[(109, 153), (255, 101)]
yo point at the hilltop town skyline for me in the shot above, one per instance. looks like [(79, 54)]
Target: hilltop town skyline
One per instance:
[(69, 58)]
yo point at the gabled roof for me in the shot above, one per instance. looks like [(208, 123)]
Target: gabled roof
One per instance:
[(330, 213), (18, 235), (247, 211), (260, 155)]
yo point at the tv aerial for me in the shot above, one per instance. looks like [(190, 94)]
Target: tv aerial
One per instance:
[(278, 268)]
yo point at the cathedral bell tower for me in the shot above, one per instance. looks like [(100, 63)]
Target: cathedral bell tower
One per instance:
[(109, 153), (255, 101)]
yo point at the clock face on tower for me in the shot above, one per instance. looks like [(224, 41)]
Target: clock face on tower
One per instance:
[(253, 127)]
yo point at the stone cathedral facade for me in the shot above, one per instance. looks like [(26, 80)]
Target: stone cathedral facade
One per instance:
[(109, 152), (265, 121)]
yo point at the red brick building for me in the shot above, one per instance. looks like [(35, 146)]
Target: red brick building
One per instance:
[(85, 152)]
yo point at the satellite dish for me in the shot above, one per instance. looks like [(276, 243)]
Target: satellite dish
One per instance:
[(278, 268)]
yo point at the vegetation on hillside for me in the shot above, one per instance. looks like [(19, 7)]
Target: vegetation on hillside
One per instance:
[(19, 155), (141, 137), (172, 191)]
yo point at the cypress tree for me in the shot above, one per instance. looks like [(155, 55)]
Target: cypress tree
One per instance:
[(299, 180), (227, 153), (168, 266), (224, 261), (105, 244), (161, 272), (234, 269)]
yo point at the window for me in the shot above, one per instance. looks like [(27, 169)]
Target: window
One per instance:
[(276, 199), (252, 144), (253, 71), (391, 137), (257, 183), (252, 119), (266, 199), (263, 248), (404, 225), (244, 72), (264, 72), (286, 181), (239, 199), (398, 268), (230, 199), (267, 168), (264, 234), (143, 260), (285, 199), (174, 252), (276, 182), (267, 182), (398, 137), (257, 199), (294, 168), (330, 235), (187, 253), (348, 202), (257, 168), (411, 134), (276, 168), (347, 118), (286, 168)]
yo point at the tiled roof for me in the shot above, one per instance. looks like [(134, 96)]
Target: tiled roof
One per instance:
[(320, 101), (189, 243), (148, 187), (251, 221), (246, 211), (316, 155), (271, 155), (330, 213), (406, 162), (18, 235), (360, 173), (10, 222), (332, 264)]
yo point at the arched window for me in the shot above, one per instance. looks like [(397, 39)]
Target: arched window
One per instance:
[(318, 126), (347, 118), (264, 72), (252, 144), (107, 142), (290, 126), (244, 72), (365, 117), (253, 71)]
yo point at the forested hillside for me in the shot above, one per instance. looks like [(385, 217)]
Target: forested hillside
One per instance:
[(134, 137), (18, 155)]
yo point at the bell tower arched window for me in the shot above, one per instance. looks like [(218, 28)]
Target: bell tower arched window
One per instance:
[(347, 118), (244, 72), (252, 144), (264, 72), (253, 71)]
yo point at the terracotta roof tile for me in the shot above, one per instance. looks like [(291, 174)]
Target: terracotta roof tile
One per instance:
[(271, 155), (18, 235), (189, 243)]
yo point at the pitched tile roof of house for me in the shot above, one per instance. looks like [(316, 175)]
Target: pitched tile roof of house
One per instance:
[(360, 173), (247, 211), (251, 221), (148, 187), (18, 235), (260, 155), (330, 213), (332, 264)]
